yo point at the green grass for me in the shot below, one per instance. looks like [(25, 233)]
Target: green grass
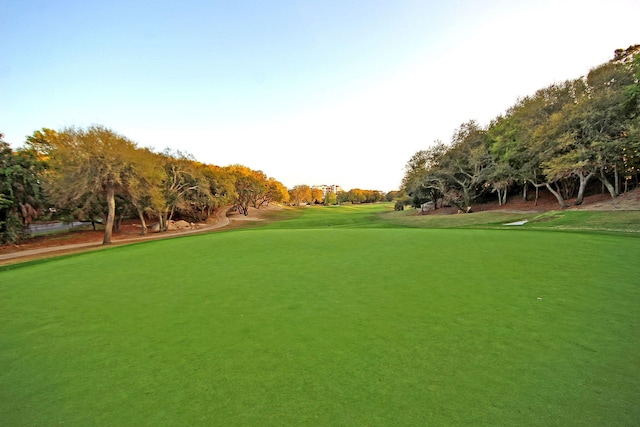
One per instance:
[(576, 220), (382, 215), (343, 216), (330, 317), (410, 218), (616, 221)]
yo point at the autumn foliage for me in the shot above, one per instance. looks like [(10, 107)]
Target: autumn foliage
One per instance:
[(98, 175)]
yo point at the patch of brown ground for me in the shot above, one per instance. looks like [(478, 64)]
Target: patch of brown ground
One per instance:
[(129, 232), (547, 202), (629, 201)]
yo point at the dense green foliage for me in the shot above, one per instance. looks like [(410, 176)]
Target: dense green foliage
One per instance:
[(559, 139), (21, 199), (329, 317)]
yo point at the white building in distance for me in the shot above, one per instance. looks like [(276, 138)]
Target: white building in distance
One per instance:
[(326, 189)]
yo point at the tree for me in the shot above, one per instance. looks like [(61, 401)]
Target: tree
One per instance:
[(42, 142), (300, 194), (198, 203), (250, 187), (330, 198), (356, 195), (456, 173), (559, 138), (606, 117), (21, 198), (507, 157), (221, 185), (182, 185), (538, 122), (146, 190), (276, 192), (467, 164), (342, 196), (395, 195), (421, 180), (88, 163), (316, 195)]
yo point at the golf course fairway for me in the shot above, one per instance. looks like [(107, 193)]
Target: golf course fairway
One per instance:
[(327, 318)]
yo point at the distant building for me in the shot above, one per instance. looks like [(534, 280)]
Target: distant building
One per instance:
[(326, 189)]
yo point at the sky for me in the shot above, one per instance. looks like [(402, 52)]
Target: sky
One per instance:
[(309, 92)]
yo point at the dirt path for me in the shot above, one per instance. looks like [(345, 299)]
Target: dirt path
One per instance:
[(222, 220)]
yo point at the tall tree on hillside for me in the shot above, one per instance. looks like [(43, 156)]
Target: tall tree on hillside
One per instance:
[(467, 163), (559, 138), (607, 117), (631, 151), (507, 156), (421, 180), (538, 120)]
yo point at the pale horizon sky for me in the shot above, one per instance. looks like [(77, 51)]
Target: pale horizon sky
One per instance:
[(310, 92)]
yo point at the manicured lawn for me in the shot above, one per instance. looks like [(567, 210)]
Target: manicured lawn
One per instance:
[(567, 220), (324, 320)]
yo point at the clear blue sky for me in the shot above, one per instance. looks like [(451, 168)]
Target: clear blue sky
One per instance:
[(310, 92)]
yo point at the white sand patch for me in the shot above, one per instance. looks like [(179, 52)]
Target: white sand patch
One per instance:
[(523, 222)]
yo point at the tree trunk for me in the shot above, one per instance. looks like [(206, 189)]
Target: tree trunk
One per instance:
[(535, 203), (557, 194), (111, 213), (118, 223), (584, 180), (164, 220), (616, 178), (143, 223), (563, 189), (467, 199), (607, 184)]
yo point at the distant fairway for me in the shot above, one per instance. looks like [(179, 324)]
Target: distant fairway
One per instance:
[(334, 316)]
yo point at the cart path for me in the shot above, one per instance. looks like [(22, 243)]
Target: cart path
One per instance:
[(221, 221)]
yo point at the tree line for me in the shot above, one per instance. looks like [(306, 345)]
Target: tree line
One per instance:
[(304, 194), (100, 176), (561, 138)]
